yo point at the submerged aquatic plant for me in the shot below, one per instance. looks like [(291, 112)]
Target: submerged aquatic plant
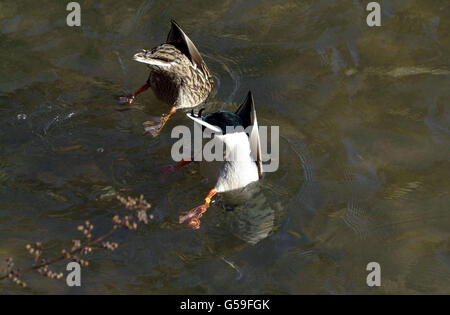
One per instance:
[(137, 213)]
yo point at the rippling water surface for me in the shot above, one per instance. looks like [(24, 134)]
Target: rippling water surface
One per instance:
[(364, 145)]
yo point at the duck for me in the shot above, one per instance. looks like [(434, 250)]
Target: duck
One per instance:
[(178, 76), (242, 164)]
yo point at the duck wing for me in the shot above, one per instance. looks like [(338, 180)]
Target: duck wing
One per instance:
[(200, 121), (181, 41), (247, 113)]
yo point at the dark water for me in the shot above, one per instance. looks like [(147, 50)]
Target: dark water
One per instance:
[(364, 147)]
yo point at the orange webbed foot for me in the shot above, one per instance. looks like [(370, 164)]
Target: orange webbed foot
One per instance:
[(125, 99), (193, 216), (152, 127), (155, 127)]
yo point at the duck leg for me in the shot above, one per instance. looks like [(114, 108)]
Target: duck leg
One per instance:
[(193, 216), (128, 99), (172, 168), (154, 127)]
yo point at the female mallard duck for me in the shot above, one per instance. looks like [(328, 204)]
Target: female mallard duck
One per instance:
[(178, 75), (242, 163)]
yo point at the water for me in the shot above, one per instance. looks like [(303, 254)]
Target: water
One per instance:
[(364, 145)]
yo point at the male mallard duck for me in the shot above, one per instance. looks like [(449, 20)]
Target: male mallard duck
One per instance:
[(178, 75), (242, 163)]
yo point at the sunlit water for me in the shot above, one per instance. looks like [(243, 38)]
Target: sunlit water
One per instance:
[(364, 145)]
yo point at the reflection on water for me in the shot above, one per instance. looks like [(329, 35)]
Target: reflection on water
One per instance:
[(364, 145), (251, 217)]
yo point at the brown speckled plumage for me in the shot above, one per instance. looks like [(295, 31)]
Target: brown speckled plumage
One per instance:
[(178, 75)]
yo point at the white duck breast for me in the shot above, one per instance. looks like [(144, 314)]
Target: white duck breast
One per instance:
[(239, 168)]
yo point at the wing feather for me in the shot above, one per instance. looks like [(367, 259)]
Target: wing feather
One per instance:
[(180, 40), (204, 123), (247, 113)]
